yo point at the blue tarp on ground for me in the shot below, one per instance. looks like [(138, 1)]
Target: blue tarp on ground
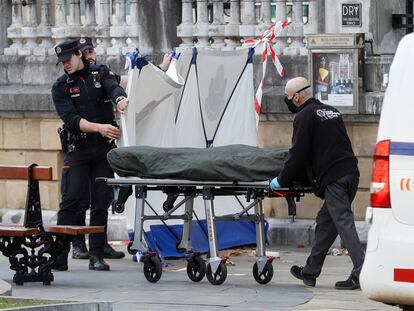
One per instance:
[(229, 235)]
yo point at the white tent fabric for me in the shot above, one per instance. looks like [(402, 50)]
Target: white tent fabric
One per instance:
[(205, 98)]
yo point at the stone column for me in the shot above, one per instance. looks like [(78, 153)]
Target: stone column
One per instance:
[(280, 17), (44, 30), (232, 29), (118, 30), (311, 26), (248, 27), (29, 29), (216, 29), (295, 30), (74, 29), (5, 22), (14, 32), (132, 28), (58, 32), (89, 28), (265, 17), (158, 22), (185, 29), (201, 27), (90, 16), (103, 30)]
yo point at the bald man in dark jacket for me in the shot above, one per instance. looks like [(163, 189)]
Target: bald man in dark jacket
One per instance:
[(321, 147)]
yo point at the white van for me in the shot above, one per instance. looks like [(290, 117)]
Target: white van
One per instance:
[(388, 271)]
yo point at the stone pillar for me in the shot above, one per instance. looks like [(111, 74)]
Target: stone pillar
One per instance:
[(201, 27), (248, 27), (280, 17), (89, 28), (133, 28), (118, 30), (74, 28), (10, 26), (103, 28), (58, 32), (29, 30), (185, 29), (311, 26), (232, 29), (295, 30), (265, 17), (5, 22), (44, 30), (216, 29), (158, 22)]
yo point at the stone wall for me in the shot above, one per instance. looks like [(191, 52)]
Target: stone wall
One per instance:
[(30, 140)]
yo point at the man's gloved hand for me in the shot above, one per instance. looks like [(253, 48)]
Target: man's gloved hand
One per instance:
[(274, 184)]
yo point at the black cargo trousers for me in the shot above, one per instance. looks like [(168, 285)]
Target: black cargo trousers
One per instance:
[(336, 217), (80, 168)]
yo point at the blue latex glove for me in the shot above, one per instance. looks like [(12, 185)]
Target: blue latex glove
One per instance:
[(274, 184)]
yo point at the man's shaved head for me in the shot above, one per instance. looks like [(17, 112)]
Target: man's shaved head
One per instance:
[(295, 84)]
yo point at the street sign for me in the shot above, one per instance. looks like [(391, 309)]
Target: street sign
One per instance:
[(351, 14)]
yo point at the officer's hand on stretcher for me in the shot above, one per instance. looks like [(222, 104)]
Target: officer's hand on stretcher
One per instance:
[(122, 105), (274, 184), (109, 131)]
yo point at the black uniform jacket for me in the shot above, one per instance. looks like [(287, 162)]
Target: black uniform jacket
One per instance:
[(88, 94), (320, 147)]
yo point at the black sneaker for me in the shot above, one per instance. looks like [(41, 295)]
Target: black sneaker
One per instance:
[(350, 284), (109, 252), (307, 279)]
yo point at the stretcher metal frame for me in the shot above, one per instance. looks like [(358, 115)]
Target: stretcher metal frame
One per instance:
[(216, 270)]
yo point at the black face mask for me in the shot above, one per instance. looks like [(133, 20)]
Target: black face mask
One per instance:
[(290, 105), (289, 102)]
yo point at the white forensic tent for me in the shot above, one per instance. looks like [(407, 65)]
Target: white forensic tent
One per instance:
[(205, 99)]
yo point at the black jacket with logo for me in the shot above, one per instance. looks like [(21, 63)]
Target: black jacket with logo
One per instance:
[(320, 147), (88, 94)]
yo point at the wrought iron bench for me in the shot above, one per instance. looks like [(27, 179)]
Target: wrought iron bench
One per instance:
[(31, 247)]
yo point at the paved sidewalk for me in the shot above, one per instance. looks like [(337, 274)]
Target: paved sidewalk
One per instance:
[(126, 286)]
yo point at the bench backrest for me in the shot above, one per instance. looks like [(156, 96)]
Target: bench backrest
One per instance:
[(22, 172), (31, 173)]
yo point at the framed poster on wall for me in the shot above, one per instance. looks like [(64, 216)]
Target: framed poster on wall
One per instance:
[(334, 78)]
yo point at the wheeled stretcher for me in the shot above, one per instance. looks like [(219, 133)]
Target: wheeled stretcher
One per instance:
[(186, 191)]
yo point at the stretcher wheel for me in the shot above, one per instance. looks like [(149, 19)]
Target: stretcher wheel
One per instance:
[(152, 269), (129, 250), (266, 275), (219, 277), (196, 269)]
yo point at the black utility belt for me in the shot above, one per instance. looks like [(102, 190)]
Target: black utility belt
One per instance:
[(90, 136)]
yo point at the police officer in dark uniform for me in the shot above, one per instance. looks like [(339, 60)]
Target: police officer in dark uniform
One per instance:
[(321, 147), (84, 98), (79, 249)]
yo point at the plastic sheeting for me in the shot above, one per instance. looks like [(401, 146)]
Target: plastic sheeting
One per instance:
[(229, 235)]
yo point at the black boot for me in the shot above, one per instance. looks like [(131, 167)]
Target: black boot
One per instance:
[(61, 260), (97, 263), (79, 250), (350, 284), (307, 279), (109, 252)]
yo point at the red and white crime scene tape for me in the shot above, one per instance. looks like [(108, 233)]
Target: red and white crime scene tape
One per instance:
[(267, 40)]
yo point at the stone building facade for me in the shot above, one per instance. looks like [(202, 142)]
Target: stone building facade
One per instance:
[(29, 29)]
